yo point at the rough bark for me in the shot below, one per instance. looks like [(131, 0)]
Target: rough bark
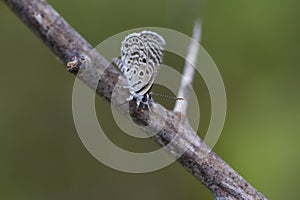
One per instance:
[(72, 50)]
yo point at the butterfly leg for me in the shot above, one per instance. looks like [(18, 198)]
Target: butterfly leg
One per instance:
[(148, 100), (139, 99)]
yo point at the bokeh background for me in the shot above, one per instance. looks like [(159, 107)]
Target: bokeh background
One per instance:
[(255, 44)]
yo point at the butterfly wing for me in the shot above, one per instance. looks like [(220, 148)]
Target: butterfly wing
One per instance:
[(154, 44), (141, 55)]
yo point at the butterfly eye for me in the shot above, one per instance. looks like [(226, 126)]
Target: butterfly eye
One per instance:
[(144, 60), (141, 73)]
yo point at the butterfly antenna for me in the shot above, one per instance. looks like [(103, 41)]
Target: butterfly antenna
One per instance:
[(166, 96)]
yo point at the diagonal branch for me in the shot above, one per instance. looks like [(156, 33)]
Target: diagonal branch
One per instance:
[(71, 48), (189, 70)]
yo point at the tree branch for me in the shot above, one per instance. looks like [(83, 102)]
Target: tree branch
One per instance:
[(189, 70), (71, 48)]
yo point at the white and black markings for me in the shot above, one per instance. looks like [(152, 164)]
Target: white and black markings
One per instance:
[(141, 56)]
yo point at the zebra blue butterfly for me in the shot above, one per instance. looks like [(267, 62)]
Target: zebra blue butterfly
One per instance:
[(141, 56)]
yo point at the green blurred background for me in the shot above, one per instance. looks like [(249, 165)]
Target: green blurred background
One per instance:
[(255, 44)]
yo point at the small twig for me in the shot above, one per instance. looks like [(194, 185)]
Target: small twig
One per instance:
[(189, 70), (70, 47)]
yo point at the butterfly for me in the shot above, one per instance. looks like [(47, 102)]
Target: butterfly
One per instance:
[(141, 56)]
